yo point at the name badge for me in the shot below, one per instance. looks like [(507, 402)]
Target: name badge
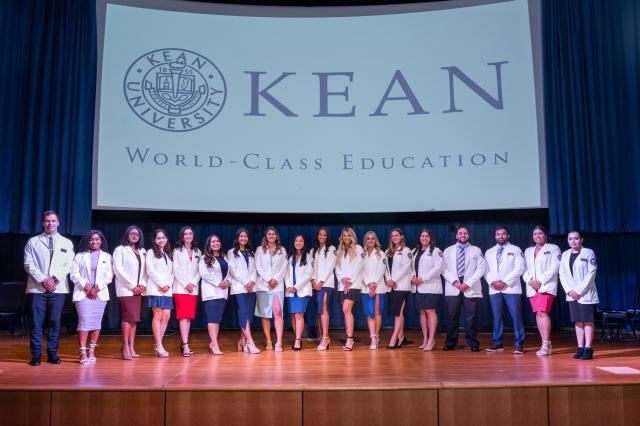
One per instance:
[(547, 252), (64, 250), (510, 254), (583, 259)]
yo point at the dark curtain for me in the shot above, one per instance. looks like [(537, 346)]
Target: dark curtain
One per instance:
[(47, 95), (592, 108)]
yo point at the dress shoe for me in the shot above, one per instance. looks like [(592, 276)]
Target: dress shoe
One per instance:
[(579, 353), (53, 359), (475, 348), (448, 347), (495, 348), (588, 353), (35, 360)]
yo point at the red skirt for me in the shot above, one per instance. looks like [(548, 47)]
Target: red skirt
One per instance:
[(185, 306), (542, 302)]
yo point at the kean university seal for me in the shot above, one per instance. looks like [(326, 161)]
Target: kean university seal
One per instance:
[(176, 90)]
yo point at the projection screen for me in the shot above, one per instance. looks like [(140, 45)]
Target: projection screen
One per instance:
[(403, 108)]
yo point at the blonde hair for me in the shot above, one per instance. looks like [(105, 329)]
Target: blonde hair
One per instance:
[(265, 245), (377, 247), (342, 249), (403, 242)]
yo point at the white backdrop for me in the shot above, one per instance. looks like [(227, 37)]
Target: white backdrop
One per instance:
[(216, 110)]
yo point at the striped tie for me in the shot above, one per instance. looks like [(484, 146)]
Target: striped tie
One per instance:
[(499, 257), (460, 261)]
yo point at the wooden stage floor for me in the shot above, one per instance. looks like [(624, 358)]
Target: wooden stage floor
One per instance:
[(441, 386)]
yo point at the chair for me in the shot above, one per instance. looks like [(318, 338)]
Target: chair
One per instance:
[(634, 313), (12, 298), (615, 322)]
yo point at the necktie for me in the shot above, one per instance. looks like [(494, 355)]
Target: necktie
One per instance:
[(499, 257), (50, 247), (460, 261)]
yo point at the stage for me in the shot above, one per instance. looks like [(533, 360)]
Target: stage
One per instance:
[(403, 387)]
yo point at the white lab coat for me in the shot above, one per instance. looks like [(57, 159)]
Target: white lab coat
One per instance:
[(401, 269), (544, 267), (430, 267), (160, 273), (351, 267), (474, 267), (212, 278), (303, 278), (125, 268), (373, 271), (510, 270), (324, 265), (185, 270), (271, 266), (240, 273), (81, 271), (40, 265), (583, 280)]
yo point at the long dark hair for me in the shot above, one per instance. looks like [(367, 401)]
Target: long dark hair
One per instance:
[(180, 242), (316, 243), (84, 241), (167, 247), (303, 252), (236, 243), (432, 241), (209, 258), (544, 231), (124, 241)]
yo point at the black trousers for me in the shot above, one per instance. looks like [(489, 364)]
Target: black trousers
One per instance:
[(453, 306), (46, 310)]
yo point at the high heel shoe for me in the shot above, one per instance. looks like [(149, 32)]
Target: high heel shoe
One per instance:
[(160, 352), (251, 348), (346, 346), (83, 355), (374, 342), (126, 355), (269, 346), (429, 347), (215, 350), (324, 344), (297, 348), (241, 344), (402, 342), (278, 347), (92, 352), (133, 352), (186, 352)]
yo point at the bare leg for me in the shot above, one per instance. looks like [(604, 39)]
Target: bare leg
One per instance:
[(324, 318), (432, 322), (278, 320), (544, 325), (82, 338), (95, 335), (377, 315), (347, 307), (213, 335), (424, 328), (185, 325), (133, 327), (156, 326), (266, 329), (126, 335)]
